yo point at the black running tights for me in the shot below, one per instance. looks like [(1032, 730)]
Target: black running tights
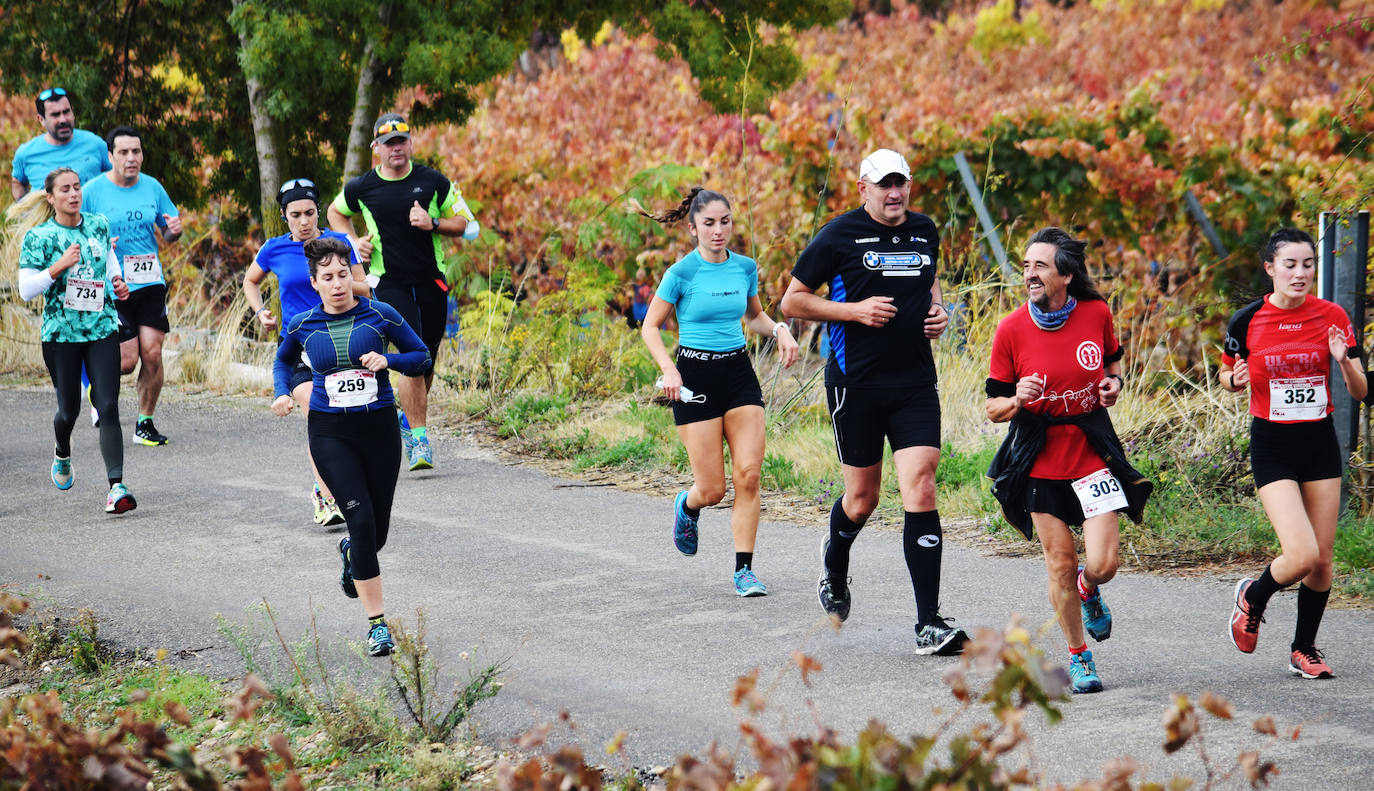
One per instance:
[(101, 358), (359, 455)]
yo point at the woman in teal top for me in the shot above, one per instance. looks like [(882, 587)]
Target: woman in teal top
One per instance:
[(712, 385), (67, 259)]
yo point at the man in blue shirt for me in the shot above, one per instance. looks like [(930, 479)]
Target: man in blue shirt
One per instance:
[(139, 210), (60, 145)]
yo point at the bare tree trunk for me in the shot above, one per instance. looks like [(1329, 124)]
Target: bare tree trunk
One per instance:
[(367, 101), (265, 137)]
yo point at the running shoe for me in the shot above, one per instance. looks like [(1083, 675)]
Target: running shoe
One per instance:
[(1309, 663), (1245, 620), (834, 597), (346, 576), (407, 439), (1097, 619), (145, 433), (317, 500), (421, 455), (1083, 674), (119, 500), (684, 527), (938, 637), (332, 514), (746, 584), (379, 642), (62, 472)]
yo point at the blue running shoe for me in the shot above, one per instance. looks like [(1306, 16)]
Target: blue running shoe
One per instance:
[(1097, 619), (62, 472), (746, 584), (1083, 674), (421, 455), (684, 527), (407, 439), (346, 577), (379, 642)]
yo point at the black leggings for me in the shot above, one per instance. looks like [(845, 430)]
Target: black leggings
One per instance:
[(359, 455), (101, 358)]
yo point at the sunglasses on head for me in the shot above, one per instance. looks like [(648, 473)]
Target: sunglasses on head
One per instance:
[(48, 93), (294, 183), (392, 126)]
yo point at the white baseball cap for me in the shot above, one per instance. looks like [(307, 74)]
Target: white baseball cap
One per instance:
[(883, 163)]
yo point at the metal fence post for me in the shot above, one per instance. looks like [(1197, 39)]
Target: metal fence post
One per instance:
[(989, 230), (1344, 250)]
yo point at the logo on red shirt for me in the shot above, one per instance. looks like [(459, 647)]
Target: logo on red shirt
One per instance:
[(1089, 356)]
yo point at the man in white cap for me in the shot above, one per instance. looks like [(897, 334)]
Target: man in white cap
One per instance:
[(882, 311)]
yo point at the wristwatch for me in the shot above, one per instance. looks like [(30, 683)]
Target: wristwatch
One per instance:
[(434, 220)]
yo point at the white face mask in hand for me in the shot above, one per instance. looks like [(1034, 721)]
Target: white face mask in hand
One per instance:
[(685, 393)]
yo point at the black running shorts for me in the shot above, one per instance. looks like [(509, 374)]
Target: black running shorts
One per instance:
[(862, 418), (146, 307), (726, 379), (424, 307), (1056, 498), (1298, 452)]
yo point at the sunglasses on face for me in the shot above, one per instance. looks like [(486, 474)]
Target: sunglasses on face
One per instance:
[(294, 183), (48, 93), (392, 126)]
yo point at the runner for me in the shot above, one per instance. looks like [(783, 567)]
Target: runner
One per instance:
[(884, 308), (284, 256), (67, 259), (406, 208), (713, 388), (1281, 346), (138, 209), (354, 436), (1056, 367), (60, 145)]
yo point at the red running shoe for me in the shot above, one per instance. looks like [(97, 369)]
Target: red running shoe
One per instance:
[(1244, 620), (1309, 663)]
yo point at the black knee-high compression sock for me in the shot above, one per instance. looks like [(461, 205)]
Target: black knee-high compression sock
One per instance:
[(923, 544), (843, 531)]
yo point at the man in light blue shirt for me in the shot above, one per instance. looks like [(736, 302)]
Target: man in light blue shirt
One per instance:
[(60, 145), (139, 210)]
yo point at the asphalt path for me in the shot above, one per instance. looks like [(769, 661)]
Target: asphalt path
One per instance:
[(579, 590)]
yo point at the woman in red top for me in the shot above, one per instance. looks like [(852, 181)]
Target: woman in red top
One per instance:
[(1281, 346)]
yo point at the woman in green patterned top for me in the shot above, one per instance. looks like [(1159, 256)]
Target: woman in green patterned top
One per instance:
[(67, 258)]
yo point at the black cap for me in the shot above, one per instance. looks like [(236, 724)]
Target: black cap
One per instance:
[(391, 126)]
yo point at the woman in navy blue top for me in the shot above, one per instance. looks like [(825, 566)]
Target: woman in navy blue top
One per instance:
[(715, 394), (355, 438)]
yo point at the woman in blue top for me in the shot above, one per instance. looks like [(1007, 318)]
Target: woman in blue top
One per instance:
[(712, 385), (355, 437), (284, 256)]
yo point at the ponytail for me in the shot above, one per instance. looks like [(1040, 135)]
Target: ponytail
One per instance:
[(696, 199)]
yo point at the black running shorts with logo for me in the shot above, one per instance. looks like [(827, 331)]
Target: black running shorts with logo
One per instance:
[(863, 417), (145, 307), (1301, 452), (727, 380), (300, 372), (424, 306)]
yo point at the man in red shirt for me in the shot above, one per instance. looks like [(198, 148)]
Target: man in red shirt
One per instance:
[(1056, 366)]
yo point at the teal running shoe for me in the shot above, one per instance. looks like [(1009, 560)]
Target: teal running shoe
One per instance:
[(421, 455), (119, 500), (407, 439), (684, 527), (1083, 674), (379, 642), (746, 584), (1097, 619), (62, 472), (346, 577)]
